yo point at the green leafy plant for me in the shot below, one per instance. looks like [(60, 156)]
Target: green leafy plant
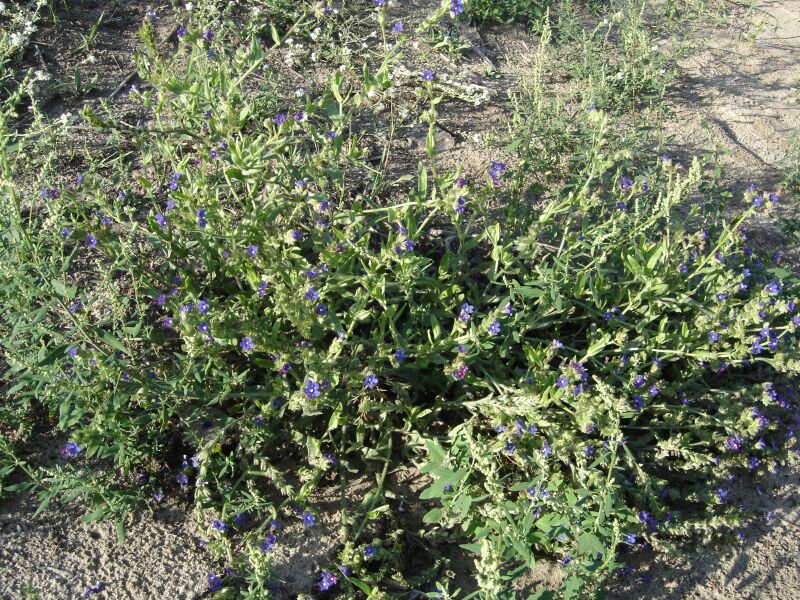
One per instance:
[(506, 11), (244, 309)]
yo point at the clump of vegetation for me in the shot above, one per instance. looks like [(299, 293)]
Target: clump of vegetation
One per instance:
[(505, 11), (242, 308)]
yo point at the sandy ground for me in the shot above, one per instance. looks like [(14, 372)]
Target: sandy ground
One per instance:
[(738, 92), (61, 557)]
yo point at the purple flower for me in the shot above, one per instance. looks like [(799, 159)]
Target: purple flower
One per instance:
[(219, 525), (70, 450), (370, 381), (91, 241), (397, 28), (427, 75), (562, 382), (97, 587), (456, 7), (182, 31), (202, 306), (713, 337), (201, 217), (208, 35), (161, 220), (309, 519), (268, 543), (652, 391), (773, 287), (495, 170), (321, 310), (312, 294), (400, 355), (625, 182), (494, 327), (247, 344), (182, 479), (252, 251), (279, 119), (328, 579), (167, 322), (214, 582), (733, 443), (203, 327), (460, 372), (466, 312), (311, 389), (151, 14), (639, 381)]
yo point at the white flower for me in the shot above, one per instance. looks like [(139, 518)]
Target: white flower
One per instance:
[(2, 7), (620, 75), (189, 6), (65, 118), (16, 38), (299, 92)]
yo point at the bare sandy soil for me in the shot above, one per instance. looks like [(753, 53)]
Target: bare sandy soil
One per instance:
[(738, 92)]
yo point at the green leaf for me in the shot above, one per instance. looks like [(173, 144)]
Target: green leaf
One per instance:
[(572, 587), (590, 544), (114, 342), (121, 532), (433, 516)]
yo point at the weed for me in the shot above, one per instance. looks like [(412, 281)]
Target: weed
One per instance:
[(240, 308)]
